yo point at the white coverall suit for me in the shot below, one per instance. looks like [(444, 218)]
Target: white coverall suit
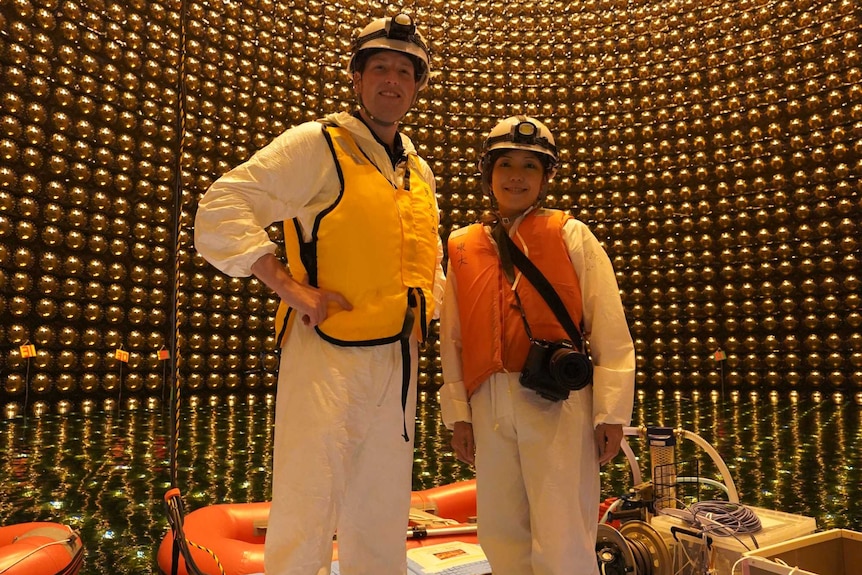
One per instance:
[(340, 459), (538, 483)]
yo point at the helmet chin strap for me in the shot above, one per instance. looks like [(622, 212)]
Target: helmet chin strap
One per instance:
[(509, 220), (495, 207), (375, 119), (379, 121)]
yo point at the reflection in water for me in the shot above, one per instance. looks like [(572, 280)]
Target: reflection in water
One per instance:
[(104, 471)]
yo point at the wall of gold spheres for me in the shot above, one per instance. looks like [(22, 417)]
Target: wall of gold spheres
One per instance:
[(714, 147)]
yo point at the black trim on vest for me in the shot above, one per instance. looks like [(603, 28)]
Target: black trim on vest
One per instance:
[(308, 251), (406, 330), (316, 228), (364, 342), (423, 312)]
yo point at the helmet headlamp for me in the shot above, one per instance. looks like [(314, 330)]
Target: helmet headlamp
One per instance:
[(399, 27), (524, 132)]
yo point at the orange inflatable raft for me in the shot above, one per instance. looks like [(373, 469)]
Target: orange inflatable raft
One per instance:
[(40, 548), (234, 532)]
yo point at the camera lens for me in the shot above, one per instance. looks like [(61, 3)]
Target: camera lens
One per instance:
[(570, 368)]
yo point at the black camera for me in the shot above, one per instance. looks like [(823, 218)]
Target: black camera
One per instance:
[(555, 368)]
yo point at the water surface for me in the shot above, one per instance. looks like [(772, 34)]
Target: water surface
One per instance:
[(105, 470)]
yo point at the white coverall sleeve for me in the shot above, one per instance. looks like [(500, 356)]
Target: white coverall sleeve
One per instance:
[(439, 276), (274, 185), (454, 405), (439, 281), (605, 327)]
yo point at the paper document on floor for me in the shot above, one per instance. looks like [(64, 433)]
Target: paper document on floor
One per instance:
[(452, 558)]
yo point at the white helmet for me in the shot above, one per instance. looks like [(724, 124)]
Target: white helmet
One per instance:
[(397, 33), (519, 133)]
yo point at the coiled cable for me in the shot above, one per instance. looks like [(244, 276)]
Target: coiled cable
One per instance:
[(727, 518), (642, 556), (635, 548), (720, 519)]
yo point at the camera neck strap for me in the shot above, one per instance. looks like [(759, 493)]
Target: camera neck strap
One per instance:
[(511, 256)]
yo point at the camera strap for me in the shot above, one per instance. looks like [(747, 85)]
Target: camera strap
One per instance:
[(511, 254)]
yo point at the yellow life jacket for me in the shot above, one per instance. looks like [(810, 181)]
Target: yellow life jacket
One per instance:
[(376, 245), (493, 336)]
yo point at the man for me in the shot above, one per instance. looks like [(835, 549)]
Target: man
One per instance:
[(363, 279)]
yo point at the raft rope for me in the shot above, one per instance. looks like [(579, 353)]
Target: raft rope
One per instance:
[(173, 497), (174, 504), (70, 540)]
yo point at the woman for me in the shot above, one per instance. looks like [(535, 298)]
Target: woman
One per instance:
[(537, 445)]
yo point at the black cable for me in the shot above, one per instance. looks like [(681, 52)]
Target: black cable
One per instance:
[(612, 559), (173, 499), (642, 555)]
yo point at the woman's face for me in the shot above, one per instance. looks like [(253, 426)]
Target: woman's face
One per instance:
[(517, 179)]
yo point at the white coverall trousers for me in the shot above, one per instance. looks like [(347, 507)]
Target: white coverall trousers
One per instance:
[(340, 459), (538, 483)]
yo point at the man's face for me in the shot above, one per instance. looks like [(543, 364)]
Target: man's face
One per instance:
[(387, 85)]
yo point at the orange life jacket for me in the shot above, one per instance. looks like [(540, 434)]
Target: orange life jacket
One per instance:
[(493, 336)]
